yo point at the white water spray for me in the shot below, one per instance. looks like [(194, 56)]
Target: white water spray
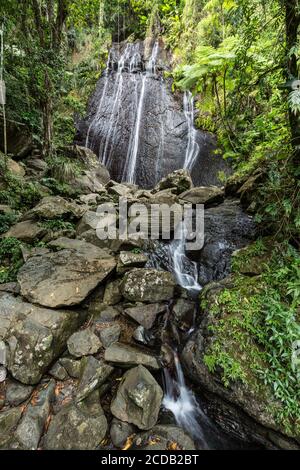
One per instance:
[(193, 149), (183, 404)]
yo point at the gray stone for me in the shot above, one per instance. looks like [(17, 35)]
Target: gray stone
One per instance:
[(164, 437), (124, 355), (110, 335), (58, 371), (83, 343), (145, 315), (8, 422), (78, 426), (112, 294), (128, 260), (148, 285), (17, 393), (206, 195), (179, 180), (93, 374), (27, 231), (32, 424), (138, 399), (120, 432), (107, 314), (67, 277), (35, 336), (72, 366), (54, 207)]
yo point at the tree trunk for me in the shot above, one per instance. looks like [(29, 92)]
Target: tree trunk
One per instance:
[(292, 28), (47, 111)]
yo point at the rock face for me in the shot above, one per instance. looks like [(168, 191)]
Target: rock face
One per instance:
[(65, 278), (148, 285), (35, 336), (138, 399), (80, 426), (163, 128)]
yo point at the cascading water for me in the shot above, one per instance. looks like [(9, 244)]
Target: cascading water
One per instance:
[(131, 161), (193, 149)]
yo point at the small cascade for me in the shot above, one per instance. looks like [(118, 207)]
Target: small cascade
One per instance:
[(182, 403), (185, 270), (193, 149), (131, 161)]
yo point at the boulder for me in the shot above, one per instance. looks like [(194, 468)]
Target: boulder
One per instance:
[(58, 372), (148, 285), (36, 167), (32, 424), (77, 426), (124, 355), (129, 260), (83, 343), (145, 315), (19, 139), (65, 278), (120, 432), (54, 207), (15, 168), (179, 181), (27, 231), (35, 336), (8, 422), (110, 335), (17, 393), (93, 374), (138, 399), (112, 294), (207, 195), (164, 437), (72, 366)]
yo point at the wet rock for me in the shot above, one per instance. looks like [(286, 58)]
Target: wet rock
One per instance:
[(142, 336), (8, 422), (27, 231), (112, 294), (179, 181), (54, 207), (58, 371), (93, 374), (78, 426), (67, 277), (34, 336), (129, 356), (145, 315), (72, 367), (120, 432), (138, 399), (183, 311), (17, 393), (110, 335), (128, 260), (147, 285), (206, 195), (165, 437), (83, 343), (32, 424)]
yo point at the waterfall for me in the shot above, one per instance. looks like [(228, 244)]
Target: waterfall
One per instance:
[(183, 404), (193, 149), (131, 161)]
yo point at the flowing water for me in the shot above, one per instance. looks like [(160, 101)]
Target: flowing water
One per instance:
[(193, 149)]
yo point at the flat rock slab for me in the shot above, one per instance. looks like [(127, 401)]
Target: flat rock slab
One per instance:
[(148, 285), (145, 315), (138, 399), (203, 195), (128, 260), (34, 336), (128, 356), (164, 437), (26, 231), (67, 277)]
